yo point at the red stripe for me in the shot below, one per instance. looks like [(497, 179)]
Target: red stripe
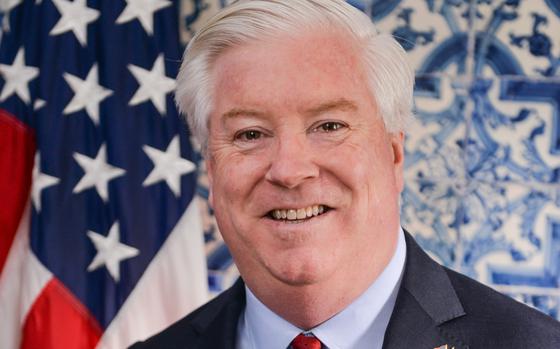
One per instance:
[(17, 150), (58, 320)]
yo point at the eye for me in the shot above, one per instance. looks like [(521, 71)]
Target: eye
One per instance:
[(330, 126), (248, 135)]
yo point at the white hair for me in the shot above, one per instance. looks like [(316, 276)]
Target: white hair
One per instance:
[(391, 79)]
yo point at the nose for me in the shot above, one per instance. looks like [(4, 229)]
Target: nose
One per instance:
[(292, 162)]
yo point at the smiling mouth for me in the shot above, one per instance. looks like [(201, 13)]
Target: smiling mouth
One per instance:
[(298, 214)]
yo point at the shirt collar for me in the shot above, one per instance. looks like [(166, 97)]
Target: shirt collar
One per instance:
[(260, 327), (363, 321)]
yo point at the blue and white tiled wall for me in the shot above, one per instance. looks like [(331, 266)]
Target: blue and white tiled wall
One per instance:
[(483, 157)]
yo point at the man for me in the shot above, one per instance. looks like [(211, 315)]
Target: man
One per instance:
[(300, 108)]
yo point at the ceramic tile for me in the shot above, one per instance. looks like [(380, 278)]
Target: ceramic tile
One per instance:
[(432, 214), (221, 280), (518, 37), (194, 13), (548, 303), (435, 173), (511, 234), (434, 33), (434, 143), (514, 134)]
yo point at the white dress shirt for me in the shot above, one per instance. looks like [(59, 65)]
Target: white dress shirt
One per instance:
[(360, 325)]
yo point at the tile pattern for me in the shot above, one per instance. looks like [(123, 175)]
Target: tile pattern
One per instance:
[(483, 162), (483, 156)]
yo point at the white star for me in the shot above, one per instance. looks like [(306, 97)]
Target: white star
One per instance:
[(168, 166), (75, 16), (98, 173), (144, 11), (110, 251), (154, 85), (5, 7), (87, 94), (39, 103), (40, 181), (17, 76)]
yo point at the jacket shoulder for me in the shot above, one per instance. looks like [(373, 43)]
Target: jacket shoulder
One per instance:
[(499, 320), (185, 333)]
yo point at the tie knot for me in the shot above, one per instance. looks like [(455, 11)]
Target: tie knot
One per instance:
[(303, 341)]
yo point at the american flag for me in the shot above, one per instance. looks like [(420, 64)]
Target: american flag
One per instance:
[(100, 236)]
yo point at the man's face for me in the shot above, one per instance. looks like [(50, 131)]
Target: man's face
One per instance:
[(294, 132)]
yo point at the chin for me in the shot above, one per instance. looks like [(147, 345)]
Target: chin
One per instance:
[(302, 272), (299, 280)]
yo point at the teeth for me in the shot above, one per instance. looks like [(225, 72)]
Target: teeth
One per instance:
[(298, 214), (292, 214), (315, 210)]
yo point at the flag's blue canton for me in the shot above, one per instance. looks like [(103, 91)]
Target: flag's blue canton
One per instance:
[(72, 214)]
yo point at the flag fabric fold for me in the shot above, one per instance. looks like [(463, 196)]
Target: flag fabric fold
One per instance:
[(100, 236)]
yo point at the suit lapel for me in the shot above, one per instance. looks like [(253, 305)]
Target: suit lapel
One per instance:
[(218, 329), (411, 327), (426, 301)]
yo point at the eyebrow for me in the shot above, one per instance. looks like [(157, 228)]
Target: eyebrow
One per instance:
[(339, 104), (241, 112)]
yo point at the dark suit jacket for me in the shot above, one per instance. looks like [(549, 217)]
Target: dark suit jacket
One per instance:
[(435, 306)]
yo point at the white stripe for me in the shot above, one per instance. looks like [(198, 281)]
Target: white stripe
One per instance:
[(21, 282), (174, 284)]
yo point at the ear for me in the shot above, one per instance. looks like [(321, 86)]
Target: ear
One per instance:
[(397, 146)]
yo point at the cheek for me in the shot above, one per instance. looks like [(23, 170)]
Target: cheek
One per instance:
[(366, 170), (226, 191), (235, 180), (354, 165)]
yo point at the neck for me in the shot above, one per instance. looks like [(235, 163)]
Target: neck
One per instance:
[(309, 305)]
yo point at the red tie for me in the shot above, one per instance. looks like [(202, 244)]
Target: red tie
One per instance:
[(306, 342)]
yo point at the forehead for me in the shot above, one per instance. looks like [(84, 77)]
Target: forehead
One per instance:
[(290, 70)]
